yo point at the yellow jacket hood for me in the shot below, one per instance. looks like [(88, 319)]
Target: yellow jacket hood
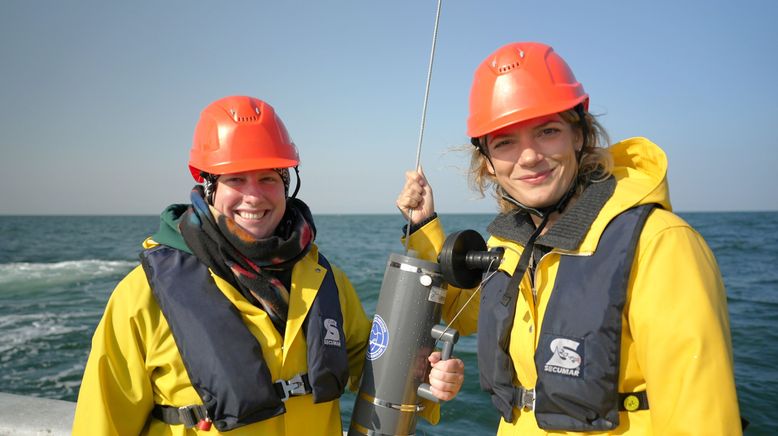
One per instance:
[(640, 170)]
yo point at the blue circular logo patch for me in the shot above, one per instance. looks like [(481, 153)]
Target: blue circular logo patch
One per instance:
[(379, 339)]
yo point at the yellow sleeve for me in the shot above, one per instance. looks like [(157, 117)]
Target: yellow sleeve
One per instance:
[(116, 394), (356, 327), (679, 321), (427, 242)]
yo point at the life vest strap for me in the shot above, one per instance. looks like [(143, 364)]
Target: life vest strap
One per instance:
[(191, 415), (524, 399), (187, 415)]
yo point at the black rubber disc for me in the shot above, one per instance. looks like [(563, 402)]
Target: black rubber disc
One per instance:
[(452, 258)]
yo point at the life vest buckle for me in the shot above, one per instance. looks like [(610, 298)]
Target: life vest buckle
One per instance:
[(526, 399), (189, 415), (295, 386)]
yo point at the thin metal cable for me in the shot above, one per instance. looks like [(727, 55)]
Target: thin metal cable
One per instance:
[(480, 285), (424, 114)]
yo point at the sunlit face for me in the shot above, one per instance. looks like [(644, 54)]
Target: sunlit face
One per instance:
[(535, 160), (255, 200)]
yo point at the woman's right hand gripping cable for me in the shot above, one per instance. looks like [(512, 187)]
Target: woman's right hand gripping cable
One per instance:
[(415, 200)]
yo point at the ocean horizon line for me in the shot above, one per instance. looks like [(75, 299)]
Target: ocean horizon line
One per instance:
[(384, 214)]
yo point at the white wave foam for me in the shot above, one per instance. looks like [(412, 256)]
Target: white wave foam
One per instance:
[(48, 319), (24, 329), (62, 272), (73, 371)]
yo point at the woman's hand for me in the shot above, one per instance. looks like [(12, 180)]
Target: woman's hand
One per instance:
[(446, 376), (415, 199)]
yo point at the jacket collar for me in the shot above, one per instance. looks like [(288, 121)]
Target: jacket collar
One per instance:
[(571, 227)]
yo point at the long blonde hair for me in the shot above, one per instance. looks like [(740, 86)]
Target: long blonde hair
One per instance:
[(596, 163)]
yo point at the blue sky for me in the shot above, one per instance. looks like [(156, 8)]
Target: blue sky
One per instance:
[(98, 100)]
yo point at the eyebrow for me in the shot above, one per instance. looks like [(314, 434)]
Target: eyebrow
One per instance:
[(491, 139), (539, 126), (546, 123)]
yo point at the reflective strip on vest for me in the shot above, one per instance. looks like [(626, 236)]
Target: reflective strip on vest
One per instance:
[(577, 358), (231, 376)]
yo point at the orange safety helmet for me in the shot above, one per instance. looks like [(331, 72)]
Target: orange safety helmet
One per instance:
[(236, 134), (521, 81)]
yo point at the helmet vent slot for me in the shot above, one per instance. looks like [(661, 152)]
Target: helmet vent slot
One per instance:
[(506, 68), (245, 119)]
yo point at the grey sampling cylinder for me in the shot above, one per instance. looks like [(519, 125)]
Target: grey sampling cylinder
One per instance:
[(409, 306)]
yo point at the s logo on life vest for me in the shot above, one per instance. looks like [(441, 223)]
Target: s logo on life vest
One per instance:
[(379, 339), (333, 336), (565, 359)]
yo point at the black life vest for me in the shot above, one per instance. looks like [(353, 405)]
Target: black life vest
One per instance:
[(222, 357), (577, 357)]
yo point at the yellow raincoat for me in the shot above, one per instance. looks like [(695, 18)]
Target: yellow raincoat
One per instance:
[(675, 339), (135, 364)]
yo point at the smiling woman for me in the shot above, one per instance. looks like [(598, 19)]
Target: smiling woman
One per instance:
[(218, 297), (234, 319), (606, 307)]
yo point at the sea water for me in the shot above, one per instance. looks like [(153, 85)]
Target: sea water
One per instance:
[(57, 272)]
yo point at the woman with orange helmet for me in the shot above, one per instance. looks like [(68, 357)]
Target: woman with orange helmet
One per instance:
[(607, 310), (234, 320)]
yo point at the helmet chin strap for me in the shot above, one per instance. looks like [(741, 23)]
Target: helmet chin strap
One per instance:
[(541, 212), (209, 185), (297, 185)]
